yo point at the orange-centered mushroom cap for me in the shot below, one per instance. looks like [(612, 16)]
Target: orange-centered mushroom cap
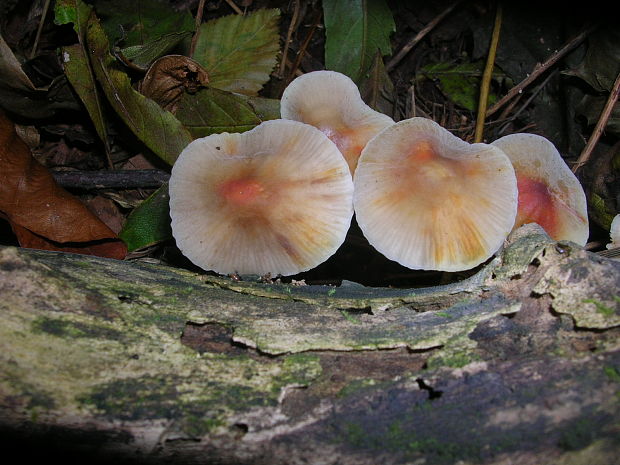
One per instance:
[(549, 193), (429, 200), (276, 199), (332, 102)]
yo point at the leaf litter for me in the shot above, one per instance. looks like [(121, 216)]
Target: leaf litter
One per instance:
[(109, 81)]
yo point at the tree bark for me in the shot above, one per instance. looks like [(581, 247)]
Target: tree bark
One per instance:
[(135, 362)]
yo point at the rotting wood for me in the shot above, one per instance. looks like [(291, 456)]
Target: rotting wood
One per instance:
[(142, 363)]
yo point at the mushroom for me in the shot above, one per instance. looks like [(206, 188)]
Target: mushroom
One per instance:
[(274, 200), (549, 193), (429, 200), (614, 233), (332, 102)]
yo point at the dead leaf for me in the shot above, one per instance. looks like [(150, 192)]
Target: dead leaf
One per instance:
[(42, 214), (18, 93), (107, 211), (169, 77)]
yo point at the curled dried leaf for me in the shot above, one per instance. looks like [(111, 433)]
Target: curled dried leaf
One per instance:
[(169, 77)]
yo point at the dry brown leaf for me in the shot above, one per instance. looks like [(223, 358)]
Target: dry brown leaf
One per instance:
[(170, 76), (42, 214)]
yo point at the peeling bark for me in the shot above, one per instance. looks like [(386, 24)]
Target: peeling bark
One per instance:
[(141, 363)]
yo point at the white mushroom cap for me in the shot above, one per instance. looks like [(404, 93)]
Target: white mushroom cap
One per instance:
[(614, 233), (429, 200), (549, 192), (276, 199), (332, 102)]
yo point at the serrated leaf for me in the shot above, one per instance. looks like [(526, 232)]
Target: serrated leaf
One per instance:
[(157, 128), (239, 52), (355, 30), (211, 111), (149, 223)]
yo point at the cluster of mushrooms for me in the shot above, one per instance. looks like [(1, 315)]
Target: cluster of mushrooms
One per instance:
[(279, 199)]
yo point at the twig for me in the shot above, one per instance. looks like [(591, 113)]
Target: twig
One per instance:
[(539, 69), (234, 6), (487, 75), (419, 36), (120, 179), (302, 50), (198, 22), (39, 29), (504, 116), (289, 35), (600, 126)]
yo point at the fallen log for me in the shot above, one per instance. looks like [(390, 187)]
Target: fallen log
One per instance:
[(133, 362)]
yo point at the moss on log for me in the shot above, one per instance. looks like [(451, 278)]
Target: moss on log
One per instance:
[(142, 363)]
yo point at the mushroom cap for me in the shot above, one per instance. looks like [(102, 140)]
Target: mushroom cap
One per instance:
[(332, 102), (549, 192), (429, 200), (276, 199), (614, 232)]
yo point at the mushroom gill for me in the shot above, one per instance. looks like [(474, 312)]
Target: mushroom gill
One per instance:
[(274, 200), (429, 200)]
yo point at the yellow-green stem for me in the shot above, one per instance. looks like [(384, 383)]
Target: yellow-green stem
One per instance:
[(486, 76)]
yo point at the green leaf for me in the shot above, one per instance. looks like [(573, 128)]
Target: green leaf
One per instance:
[(74, 12), (460, 82), (157, 128), (265, 108), (211, 111), (377, 89), (149, 223), (239, 52), (144, 55), (139, 22), (80, 75), (76, 64), (355, 30)]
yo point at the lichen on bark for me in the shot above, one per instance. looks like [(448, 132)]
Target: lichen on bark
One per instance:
[(156, 362)]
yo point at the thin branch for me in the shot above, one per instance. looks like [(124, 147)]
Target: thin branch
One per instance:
[(540, 69), (39, 29), (120, 179), (304, 46), (289, 36), (198, 22), (600, 126), (487, 75), (504, 116), (234, 6), (419, 36)]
